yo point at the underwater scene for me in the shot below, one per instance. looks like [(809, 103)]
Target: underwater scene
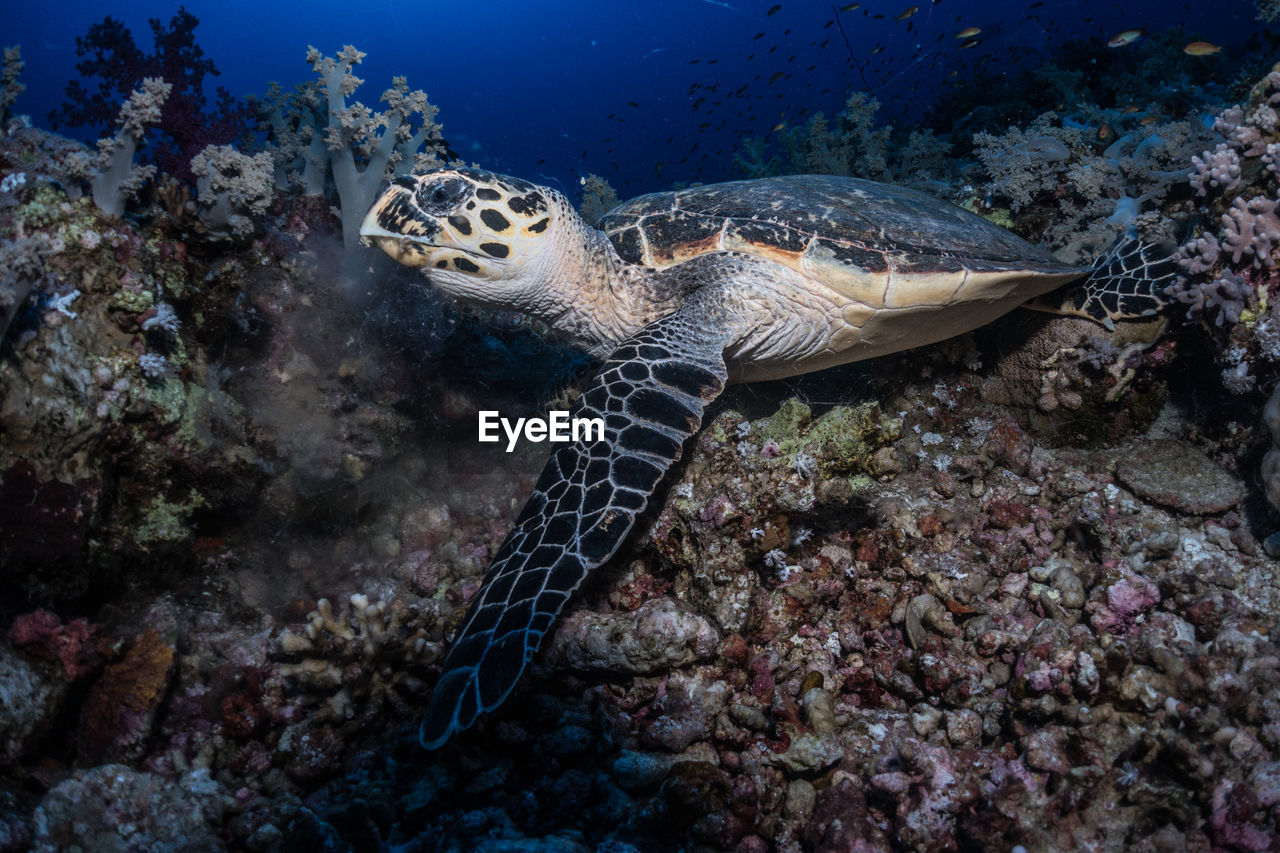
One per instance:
[(688, 425)]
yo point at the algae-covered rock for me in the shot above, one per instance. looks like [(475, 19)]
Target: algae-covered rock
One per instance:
[(1177, 475), (660, 635), (30, 695), (114, 808)]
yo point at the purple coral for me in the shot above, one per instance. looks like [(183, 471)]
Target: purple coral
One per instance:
[(1227, 293), (1252, 228), (1216, 169), (1126, 600), (1241, 135)]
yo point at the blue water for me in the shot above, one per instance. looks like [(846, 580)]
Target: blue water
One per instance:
[(644, 93)]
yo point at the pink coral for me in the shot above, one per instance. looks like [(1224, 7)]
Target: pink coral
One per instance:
[(70, 644), (1126, 599), (1252, 228), (1216, 169)]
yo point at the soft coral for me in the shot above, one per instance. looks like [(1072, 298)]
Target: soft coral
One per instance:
[(109, 53)]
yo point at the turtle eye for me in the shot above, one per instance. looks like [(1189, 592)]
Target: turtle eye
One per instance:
[(440, 197)]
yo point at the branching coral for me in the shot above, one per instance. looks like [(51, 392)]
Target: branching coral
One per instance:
[(1022, 165), (851, 145), (855, 147), (1229, 270), (359, 658), (1251, 229), (1069, 195), (295, 122), (1216, 169)]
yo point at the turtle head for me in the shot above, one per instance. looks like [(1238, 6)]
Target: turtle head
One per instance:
[(479, 235)]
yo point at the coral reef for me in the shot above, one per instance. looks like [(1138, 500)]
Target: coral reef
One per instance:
[(1229, 275), (1002, 646), (1013, 590)]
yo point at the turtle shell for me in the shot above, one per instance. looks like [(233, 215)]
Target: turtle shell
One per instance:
[(881, 245)]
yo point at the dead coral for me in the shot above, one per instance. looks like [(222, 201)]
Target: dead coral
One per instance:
[(357, 659)]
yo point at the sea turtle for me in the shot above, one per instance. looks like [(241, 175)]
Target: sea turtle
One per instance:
[(681, 292)]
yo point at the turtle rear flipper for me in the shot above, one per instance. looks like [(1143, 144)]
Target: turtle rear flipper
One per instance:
[(651, 394), (1125, 283)]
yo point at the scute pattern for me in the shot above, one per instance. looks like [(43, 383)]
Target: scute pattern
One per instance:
[(651, 394), (812, 221), (1128, 281)]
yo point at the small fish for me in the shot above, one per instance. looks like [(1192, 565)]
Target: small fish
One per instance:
[(908, 12), (773, 10), (779, 126), (968, 33), (1105, 132), (1130, 108), (1201, 48), (849, 7), (1126, 37), (970, 43)]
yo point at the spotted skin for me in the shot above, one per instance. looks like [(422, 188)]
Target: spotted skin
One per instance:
[(651, 394)]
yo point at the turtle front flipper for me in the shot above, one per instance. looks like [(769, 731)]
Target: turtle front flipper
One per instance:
[(1127, 282), (650, 394)]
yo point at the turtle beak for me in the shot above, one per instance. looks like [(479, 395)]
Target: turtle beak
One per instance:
[(397, 226)]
